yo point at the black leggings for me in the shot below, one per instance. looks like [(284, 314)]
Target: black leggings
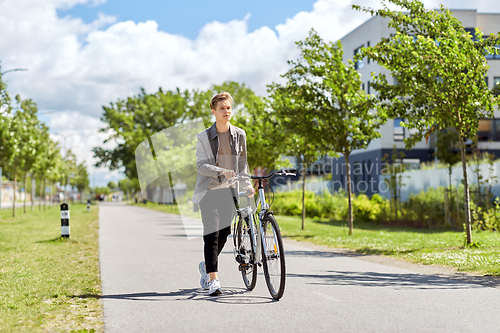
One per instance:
[(217, 211)]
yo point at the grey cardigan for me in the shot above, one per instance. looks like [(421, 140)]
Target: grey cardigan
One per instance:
[(206, 158)]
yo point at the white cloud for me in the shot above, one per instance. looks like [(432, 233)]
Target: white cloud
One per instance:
[(75, 68)]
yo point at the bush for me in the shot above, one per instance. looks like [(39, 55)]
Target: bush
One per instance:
[(483, 219), (369, 210), (330, 206), (426, 208)]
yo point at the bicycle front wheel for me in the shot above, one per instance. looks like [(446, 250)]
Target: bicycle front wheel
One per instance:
[(247, 266), (273, 257)]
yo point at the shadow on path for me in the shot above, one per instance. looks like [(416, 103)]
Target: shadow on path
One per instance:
[(230, 296), (397, 280)]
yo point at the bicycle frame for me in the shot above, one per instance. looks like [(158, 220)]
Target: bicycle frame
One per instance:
[(257, 234)]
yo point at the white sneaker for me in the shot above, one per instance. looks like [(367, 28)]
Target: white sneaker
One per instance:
[(202, 268), (205, 278), (214, 288), (204, 281)]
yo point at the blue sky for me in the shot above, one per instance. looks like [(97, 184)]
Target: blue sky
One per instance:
[(188, 17)]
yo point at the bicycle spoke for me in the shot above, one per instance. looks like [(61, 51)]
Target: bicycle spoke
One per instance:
[(274, 260)]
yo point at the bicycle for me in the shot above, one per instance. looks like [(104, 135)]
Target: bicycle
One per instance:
[(257, 241)]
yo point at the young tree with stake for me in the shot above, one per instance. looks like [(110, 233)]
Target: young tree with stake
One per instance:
[(440, 70), (326, 97)]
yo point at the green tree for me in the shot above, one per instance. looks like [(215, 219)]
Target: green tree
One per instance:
[(81, 179), (4, 94), (324, 99), (44, 161), (264, 138), (137, 119), (69, 169), (47, 167), (394, 167), (440, 72), (112, 186), (306, 153), (129, 186), (22, 141), (447, 150)]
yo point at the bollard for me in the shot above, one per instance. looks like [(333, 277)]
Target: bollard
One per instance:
[(64, 220), (88, 205)]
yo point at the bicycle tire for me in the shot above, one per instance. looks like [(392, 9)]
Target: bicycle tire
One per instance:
[(274, 260), (245, 246)]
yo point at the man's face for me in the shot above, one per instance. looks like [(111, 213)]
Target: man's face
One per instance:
[(223, 111)]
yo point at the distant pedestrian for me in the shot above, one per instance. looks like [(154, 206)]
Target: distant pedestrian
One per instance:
[(221, 154)]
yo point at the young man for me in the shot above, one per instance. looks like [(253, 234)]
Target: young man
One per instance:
[(220, 154)]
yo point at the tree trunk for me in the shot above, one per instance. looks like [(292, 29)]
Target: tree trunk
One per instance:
[(349, 191), (33, 191), (468, 229), (25, 191), (43, 194), (396, 196), (303, 196), (447, 208), (449, 183), (14, 204)]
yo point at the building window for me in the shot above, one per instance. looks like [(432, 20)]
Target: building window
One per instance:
[(485, 130), (357, 173), (368, 86), (368, 60), (488, 130), (486, 80), (496, 130), (411, 163), (472, 32), (368, 171), (363, 86), (496, 86), (493, 55), (399, 131), (360, 63)]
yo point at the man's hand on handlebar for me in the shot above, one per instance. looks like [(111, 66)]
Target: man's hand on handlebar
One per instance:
[(250, 190), (228, 173)]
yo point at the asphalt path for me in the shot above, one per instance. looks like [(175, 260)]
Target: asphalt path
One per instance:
[(150, 283)]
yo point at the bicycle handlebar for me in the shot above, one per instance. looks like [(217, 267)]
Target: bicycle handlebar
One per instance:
[(283, 172)]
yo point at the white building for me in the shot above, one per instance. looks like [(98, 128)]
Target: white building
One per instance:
[(369, 160)]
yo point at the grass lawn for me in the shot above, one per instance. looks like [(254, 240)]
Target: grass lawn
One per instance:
[(416, 245), (49, 284)]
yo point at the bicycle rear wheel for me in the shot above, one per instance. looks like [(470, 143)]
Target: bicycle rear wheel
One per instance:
[(244, 245), (273, 257)]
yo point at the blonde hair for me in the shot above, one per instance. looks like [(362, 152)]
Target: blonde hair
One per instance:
[(219, 98)]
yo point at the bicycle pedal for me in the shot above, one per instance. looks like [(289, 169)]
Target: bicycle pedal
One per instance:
[(243, 267)]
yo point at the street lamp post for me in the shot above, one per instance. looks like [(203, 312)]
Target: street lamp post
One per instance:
[(14, 70), (65, 137)]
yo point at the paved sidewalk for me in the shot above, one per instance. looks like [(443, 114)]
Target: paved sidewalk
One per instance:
[(150, 283)]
